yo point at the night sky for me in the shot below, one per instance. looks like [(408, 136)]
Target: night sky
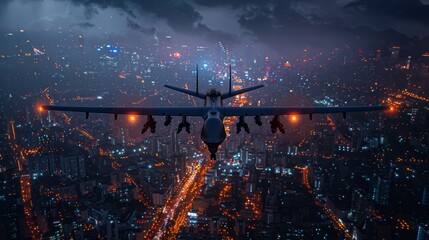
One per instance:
[(283, 25)]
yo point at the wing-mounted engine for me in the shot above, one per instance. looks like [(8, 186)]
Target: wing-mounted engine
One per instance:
[(167, 121), (184, 124), (242, 124), (276, 124), (258, 120), (150, 123)]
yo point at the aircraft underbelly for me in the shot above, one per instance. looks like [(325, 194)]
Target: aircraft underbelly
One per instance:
[(213, 132)]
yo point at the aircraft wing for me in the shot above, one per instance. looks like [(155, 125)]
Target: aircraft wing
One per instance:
[(155, 111), (265, 111)]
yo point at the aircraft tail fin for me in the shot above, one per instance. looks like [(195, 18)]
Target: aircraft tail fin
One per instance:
[(244, 90), (234, 93), (189, 92), (196, 83), (230, 79)]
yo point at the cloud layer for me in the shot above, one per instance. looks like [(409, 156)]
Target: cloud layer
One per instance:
[(284, 24)]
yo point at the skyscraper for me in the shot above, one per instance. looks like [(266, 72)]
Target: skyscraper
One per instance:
[(423, 232), (72, 166), (359, 207), (382, 191), (425, 197)]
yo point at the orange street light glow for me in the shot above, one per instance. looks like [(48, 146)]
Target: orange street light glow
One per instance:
[(294, 118), (177, 54), (40, 108), (391, 108), (132, 118)]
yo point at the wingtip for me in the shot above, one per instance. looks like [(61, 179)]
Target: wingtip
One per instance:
[(389, 108), (383, 108), (42, 108)]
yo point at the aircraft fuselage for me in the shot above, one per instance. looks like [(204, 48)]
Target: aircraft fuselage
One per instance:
[(213, 131)]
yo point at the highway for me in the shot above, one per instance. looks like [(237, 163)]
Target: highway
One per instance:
[(168, 221)]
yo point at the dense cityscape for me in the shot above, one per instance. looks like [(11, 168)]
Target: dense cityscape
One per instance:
[(329, 176)]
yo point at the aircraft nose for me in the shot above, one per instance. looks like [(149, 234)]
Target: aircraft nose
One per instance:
[(213, 131)]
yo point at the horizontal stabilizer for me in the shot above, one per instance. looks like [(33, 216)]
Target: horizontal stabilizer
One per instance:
[(234, 93), (189, 92)]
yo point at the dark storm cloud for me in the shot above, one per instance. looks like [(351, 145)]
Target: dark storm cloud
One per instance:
[(148, 31), (90, 11), (234, 3), (282, 27), (135, 26), (290, 25), (285, 25), (4, 2), (413, 10), (86, 25), (181, 16), (132, 24), (103, 4), (215, 35)]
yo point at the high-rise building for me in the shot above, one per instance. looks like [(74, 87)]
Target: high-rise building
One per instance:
[(245, 155), (423, 232), (210, 177), (394, 52), (425, 196), (240, 227), (408, 63), (38, 166), (319, 179), (359, 207), (327, 144), (72, 166), (235, 185), (127, 192), (382, 191), (174, 142), (10, 209)]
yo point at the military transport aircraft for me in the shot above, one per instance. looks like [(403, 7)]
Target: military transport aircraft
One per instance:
[(213, 112)]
